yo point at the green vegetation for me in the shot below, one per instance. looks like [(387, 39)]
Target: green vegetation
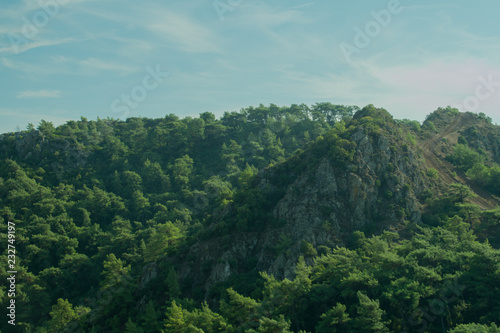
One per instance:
[(110, 214), (384, 284), (472, 163)]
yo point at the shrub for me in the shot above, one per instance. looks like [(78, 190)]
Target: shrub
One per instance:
[(432, 173), (465, 157)]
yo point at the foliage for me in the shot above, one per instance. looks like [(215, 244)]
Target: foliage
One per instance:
[(464, 157), (106, 211)]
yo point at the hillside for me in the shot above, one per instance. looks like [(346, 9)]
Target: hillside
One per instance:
[(326, 218), (434, 146)]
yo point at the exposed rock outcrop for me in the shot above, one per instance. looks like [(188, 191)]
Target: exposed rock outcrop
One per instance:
[(323, 206)]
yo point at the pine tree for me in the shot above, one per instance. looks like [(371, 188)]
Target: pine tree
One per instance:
[(369, 317)]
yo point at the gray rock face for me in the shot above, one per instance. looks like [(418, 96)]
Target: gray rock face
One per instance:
[(323, 206), (149, 273)]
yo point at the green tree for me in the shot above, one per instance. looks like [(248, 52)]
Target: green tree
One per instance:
[(334, 320), (139, 206), (465, 157), (268, 325), (62, 314), (461, 192), (46, 127), (184, 321), (241, 311), (246, 176), (475, 328), (369, 318), (182, 169), (131, 327), (174, 290), (131, 182), (150, 319), (114, 271), (154, 179)]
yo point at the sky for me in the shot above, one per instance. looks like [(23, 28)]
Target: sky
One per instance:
[(62, 60)]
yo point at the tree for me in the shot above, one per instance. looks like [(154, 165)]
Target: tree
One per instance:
[(204, 320), (217, 188), (268, 325), (62, 313), (241, 311), (131, 182), (334, 320), (461, 192), (231, 155), (208, 117), (131, 327), (475, 328), (246, 176), (174, 290), (175, 321), (182, 169), (114, 271), (149, 319), (369, 317), (139, 205), (46, 127), (154, 179), (465, 157), (163, 236)]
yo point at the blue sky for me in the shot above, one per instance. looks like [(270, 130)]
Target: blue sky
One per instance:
[(63, 59)]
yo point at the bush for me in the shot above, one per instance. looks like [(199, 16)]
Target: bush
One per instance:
[(464, 157), (430, 125), (432, 173), (308, 249)]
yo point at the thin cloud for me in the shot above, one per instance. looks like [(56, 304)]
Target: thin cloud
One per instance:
[(477, 40), (177, 30), (20, 45), (92, 64), (265, 16), (186, 34), (40, 94), (30, 70), (304, 5)]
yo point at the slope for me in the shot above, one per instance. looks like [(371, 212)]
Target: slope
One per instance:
[(447, 172)]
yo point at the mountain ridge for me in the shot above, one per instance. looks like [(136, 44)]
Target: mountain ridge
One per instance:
[(120, 220)]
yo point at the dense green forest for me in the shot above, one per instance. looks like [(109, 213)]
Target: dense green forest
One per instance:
[(188, 225)]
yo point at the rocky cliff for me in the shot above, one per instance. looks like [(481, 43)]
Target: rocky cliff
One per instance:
[(374, 188)]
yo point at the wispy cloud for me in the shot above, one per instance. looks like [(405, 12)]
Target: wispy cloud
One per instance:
[(67, 66), (304, 5), (20, 45), (29, 70), (477, 39), (40, 94), (184, 33), (324, 86), (266, 16), (168, 28), (93, 64)]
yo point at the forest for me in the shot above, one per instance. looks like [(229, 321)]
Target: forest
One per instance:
[(322, 218)]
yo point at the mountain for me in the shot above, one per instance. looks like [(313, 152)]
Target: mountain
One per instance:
[(324, 218)]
